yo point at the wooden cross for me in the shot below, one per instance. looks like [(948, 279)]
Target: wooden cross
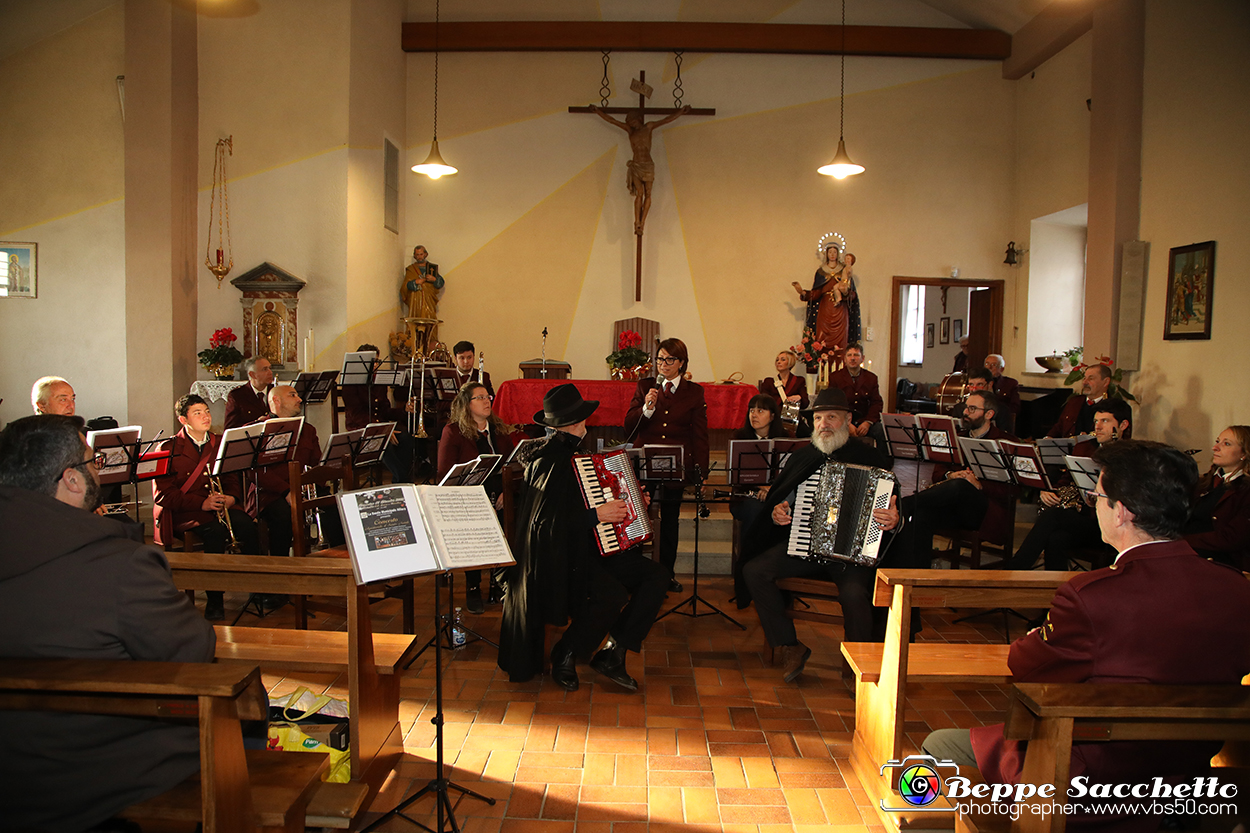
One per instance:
[(641, 168)]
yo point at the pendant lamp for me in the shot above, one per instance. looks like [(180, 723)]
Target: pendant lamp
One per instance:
[(434, 166), (841, 167)]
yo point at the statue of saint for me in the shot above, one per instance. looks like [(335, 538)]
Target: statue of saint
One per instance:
[(832, 302), (640, 171), (420, 290)]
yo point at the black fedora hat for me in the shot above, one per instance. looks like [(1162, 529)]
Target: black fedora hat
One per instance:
[(563, 405), (830, 399)]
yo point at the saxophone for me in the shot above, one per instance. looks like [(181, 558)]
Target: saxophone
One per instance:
[(1070, 496)]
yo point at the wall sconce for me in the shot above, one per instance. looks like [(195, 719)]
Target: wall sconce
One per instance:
[(1014, 254)]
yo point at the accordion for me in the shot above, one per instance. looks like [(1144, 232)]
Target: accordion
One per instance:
[(605, 477), (832, 516)]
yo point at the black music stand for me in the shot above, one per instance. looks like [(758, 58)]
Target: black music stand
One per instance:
[(245, 449), (128, 459), (314, 388), (700, 511), (905, 439), (439, 784)]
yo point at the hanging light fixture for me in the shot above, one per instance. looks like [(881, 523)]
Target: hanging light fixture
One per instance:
[(434, 166), (841, 167)]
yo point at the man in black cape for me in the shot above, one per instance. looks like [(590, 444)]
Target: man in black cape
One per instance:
[(560, 573), (764, 556)]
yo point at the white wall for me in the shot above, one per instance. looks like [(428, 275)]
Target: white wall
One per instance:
[(939, 358), (1056, 264)]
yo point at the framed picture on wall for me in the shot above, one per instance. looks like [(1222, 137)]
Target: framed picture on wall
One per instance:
[(958, 332), (18, 264), (928, 335), (1191, 279), (945, 337)]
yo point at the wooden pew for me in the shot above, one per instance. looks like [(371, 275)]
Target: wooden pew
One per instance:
[(372, 662), (1050, 715), (883, 670), (234, 790)]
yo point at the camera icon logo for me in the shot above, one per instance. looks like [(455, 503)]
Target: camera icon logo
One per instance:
[(919, 782)]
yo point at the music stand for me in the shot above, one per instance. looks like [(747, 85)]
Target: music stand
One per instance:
[(986, 460), (253, 446), (439, 784), (358, 370), (314, 388), (940, 439), (700, 511), (128, 459), (1085, 473), (905, 440), (473, 473), (1026, 462), (750, 462)]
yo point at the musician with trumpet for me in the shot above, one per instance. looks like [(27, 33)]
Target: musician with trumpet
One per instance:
[(764, 543), (1066, 522), (185, 499), (465, 355)]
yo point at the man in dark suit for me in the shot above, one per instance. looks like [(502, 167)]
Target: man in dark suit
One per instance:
[(184, 499), (1077, 416), (958, 498), (1159, 614), (1007, 389), (248, 403), (465, 355), (671, 412)]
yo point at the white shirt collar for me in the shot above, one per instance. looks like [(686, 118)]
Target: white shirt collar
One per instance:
[(1122, 553), (675, 382)]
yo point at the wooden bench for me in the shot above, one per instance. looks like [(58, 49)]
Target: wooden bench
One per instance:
[(1051, 715), (372, 662), (234, 790), (883, 670)]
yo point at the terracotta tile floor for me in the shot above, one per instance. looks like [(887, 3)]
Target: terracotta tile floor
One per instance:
[(714, 740)]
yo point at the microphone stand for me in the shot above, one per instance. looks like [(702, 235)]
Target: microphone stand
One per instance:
[(700, 511), (543, 373)]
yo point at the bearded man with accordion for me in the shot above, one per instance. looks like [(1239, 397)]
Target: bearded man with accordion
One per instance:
[(846, 500)]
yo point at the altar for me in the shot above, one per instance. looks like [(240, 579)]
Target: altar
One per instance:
[(517, 400)]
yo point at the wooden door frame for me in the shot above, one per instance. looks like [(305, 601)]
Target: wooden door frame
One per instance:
[(997, 294)]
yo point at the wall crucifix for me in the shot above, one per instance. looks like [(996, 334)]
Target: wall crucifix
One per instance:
[(640, 170)]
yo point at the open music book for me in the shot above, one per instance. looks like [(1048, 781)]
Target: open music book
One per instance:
[(126, 455), (986, 460), (403, 530), (473, 473), (939, 438)]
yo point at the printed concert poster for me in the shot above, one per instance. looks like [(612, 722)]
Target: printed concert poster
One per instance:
[(384, 517)]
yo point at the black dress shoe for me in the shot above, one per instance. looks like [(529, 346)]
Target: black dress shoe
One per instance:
[(610, 662), (215, 608), (674, 586), (496, 594), (473, 600), (564, 667)]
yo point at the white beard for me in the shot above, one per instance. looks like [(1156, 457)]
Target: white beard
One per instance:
[(828, 444)]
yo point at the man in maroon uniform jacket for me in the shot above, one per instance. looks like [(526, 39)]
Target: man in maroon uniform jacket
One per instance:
[(248, 403), (671, 411), (864, 394), (1077, 416), (1196, 616), (273, 482)]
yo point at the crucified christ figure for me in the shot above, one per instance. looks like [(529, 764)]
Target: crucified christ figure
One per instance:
[(640, 171)]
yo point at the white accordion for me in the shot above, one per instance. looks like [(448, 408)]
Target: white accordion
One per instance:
[(832, 515)]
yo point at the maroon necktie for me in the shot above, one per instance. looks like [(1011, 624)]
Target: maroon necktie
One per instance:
[(668, 388)]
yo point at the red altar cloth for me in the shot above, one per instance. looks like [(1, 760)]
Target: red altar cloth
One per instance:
[(517, 400)]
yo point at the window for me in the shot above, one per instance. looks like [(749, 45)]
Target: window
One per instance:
[(913, 324), (391, 175)]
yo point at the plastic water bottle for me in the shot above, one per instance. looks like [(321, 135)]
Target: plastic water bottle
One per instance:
[(457, 631)]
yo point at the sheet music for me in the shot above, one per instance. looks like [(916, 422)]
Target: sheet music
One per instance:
[(750, 462), (1084, 473), (901, 434), (357, 368), (385, 533), (985, 459), (464, 526), (117, 445)]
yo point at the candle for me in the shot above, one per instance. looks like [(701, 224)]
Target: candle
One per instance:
[(312, 350), (220, 257)]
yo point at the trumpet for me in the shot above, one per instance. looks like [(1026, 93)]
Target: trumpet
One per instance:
[(223, 515)]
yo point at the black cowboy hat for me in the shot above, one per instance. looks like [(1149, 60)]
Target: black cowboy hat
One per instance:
[(563, 405), (830, 399)]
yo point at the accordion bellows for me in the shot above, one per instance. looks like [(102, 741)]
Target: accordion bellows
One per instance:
[(832, 517)]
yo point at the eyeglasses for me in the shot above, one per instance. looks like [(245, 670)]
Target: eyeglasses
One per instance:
[(668, 360), (98, 460), (486, 396), (1095, 495), (970, 408)]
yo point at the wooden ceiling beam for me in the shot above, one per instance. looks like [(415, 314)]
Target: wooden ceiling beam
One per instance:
[(667, 36)]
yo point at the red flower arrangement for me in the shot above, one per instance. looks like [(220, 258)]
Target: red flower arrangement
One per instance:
[(629, 361), (221, 356), (809, 350)]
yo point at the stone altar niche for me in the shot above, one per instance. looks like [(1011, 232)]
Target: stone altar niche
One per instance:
[(270, 321)]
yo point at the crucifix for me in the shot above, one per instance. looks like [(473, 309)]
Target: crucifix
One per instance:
[(641, 169)]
